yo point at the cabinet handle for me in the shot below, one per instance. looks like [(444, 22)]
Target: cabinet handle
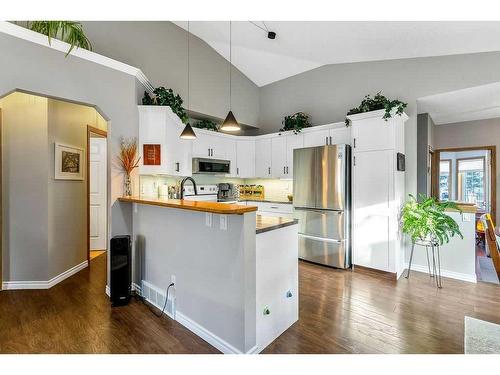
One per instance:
[(286, 170), (354, 143), (269, 170), (330, 139), (354, 160), (289, 294), (326, 140), (237, 170), (208, 152), (177, 167), (266, 311), (275, 207)]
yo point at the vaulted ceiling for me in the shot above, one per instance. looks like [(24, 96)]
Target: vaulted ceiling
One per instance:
[(301, 46)]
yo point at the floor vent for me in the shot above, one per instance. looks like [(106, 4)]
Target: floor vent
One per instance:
[(156, 297)]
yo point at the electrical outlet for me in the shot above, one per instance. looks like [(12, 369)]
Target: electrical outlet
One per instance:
[(208, 219), (172, 279), (223, 222)]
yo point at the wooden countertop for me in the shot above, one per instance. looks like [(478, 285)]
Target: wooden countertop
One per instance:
[(267, 223), (213, 207)]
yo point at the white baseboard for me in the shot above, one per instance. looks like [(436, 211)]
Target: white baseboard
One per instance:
[(210, 337), (17, 285), (135, 287), (444, 273)]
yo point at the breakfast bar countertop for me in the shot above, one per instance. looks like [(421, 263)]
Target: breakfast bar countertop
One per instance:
[(212, 207), (268, 223)]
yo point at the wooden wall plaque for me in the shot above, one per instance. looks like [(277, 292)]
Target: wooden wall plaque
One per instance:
[(152, 154)]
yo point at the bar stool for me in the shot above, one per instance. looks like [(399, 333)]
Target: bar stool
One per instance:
[(436, 269)]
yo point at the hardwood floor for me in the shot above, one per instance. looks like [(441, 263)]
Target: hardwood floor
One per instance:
[(96, 253), (340, 312)]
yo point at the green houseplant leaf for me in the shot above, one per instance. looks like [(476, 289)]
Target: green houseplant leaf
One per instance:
[(376, 103), (68, 31), (425, 219), (295, 122), (166, 97), (207, 124)]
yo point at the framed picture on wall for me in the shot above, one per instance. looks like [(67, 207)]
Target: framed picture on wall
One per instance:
[(68, 162)]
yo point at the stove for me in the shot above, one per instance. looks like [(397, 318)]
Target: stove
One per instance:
[(207, 193)]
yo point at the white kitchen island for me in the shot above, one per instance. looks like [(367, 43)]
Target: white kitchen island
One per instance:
[(235, 273)]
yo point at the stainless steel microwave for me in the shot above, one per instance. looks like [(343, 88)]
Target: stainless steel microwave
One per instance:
[(211, 166)]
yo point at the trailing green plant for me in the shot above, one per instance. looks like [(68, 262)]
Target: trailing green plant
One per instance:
[(426, 219), (207, 124), (68, 31), (376, 103), (167, 97), (295, 122)]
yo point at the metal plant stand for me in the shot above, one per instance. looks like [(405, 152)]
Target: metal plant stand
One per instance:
[(435, 269)]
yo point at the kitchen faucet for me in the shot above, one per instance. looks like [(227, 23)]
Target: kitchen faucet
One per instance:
[(182, 186)]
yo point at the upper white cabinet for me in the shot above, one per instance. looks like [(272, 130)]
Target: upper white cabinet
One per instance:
[(263, 158), (282, 148), (378, 191), (245, 158), (337, 134), (293, 141), (158, 125)]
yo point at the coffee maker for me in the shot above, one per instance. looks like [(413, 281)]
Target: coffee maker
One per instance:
[(226, 193)]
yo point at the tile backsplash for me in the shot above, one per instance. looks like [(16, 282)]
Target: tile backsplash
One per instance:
[(274, 189)]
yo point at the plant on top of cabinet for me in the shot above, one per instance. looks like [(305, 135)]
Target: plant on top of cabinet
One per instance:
[(376, 103), (167, 97), (426, 220), (207, 124), (68, 31), (295, 122)]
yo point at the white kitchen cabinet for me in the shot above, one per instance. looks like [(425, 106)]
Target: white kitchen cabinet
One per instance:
[(245, 158), (263, 157), (160, 126), (278, 156), (316, 138), (338, 134), (378, 192), (282, 148)]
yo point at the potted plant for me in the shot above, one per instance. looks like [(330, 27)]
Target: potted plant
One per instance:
[(68, 31), (295, 122), (129, 160), (167, 97), (376, 103), (426, 220), (207, 124)]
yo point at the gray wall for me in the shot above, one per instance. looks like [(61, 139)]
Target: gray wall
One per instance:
[(25, 169), (159, 49), (472, 134), (38, 69), (328, 92)]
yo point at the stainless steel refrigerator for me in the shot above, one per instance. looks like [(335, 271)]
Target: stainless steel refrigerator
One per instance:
[(322, 202)]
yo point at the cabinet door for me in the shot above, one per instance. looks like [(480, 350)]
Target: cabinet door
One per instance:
[(316, 138), (340, 136), (372, 134), (371, 208), (230, 153), (202, 145), (278, 156), (177, 151), (245, 158), (263, 157), (152, 130), (293, 141)]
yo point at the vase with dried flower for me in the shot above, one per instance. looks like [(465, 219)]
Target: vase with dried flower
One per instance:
[(129, 160)]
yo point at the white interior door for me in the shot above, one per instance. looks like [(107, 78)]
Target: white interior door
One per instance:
[(97, 192)]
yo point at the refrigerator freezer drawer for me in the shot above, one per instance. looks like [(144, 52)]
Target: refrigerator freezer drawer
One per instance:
[(321, 223), (323, 251)]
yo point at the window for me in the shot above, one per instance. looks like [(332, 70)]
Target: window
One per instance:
[(471, 185), (444, 180)]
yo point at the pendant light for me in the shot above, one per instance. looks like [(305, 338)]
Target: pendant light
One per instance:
[(188, 132), (230, 124)]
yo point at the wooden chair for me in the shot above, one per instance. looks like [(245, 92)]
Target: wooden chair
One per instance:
[(491, 242)]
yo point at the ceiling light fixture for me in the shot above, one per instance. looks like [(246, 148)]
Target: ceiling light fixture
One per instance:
[(270, 34), (188, 132), (230, 124)]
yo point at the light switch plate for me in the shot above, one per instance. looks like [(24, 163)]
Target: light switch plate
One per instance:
[(223, 222), (208, 219)]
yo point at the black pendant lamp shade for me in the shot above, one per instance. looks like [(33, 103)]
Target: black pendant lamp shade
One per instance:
[(230, 124), (188, 132)]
